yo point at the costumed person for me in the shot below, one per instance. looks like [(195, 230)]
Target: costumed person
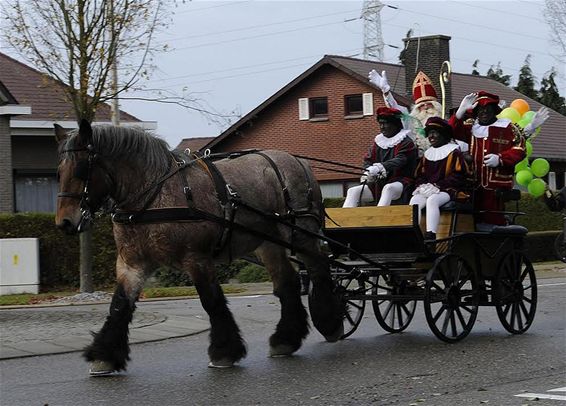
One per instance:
[(440, 173), (390, 161), (496, 146), (425, 106)]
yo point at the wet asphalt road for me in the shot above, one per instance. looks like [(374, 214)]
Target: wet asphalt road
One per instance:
[(371, 367)]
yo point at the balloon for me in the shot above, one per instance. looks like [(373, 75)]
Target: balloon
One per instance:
[(529, 115), (529, 148), (523, 122), (511, 114), (524, 177), (540, 167), (537, 187), (520, 105), (522, 165)]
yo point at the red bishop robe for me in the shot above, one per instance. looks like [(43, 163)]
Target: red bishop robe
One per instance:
[(501, 138)]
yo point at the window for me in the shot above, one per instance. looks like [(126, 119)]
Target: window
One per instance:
[(318, 107), (353, 105), (35, 193)]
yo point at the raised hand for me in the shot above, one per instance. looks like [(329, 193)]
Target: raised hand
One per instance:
[(468, 102), (538, 119), (380, 81)]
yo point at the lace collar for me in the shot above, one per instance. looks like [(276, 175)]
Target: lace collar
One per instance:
[(437, 154), (383, 142), (482, 131)]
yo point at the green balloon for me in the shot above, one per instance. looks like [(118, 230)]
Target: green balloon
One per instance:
[(524, 177), (524, 164), (536, 187), (529, 148), (540, 167), (523, 122), (528, 115)]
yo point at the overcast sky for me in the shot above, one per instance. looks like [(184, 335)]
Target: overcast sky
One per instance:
[(234, 55)]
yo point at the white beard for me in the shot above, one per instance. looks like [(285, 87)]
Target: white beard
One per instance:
[(423, 115)]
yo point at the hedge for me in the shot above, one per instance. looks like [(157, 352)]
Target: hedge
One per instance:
[(59, 253)]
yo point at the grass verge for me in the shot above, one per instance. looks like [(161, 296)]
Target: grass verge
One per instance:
[(148, 293)]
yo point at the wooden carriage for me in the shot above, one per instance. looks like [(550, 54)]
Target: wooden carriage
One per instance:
[(380, 255)]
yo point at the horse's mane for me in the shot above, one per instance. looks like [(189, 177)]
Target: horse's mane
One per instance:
[(130, 143)]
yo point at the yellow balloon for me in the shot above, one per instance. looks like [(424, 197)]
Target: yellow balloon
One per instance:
[(511, 114)]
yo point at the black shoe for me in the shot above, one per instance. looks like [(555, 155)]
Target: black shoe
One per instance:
[(429, 235)]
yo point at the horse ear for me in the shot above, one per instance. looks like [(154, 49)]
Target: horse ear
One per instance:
[(60, 133), (85, 132)]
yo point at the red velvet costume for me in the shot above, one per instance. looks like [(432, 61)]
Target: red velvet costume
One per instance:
[(501, 138)]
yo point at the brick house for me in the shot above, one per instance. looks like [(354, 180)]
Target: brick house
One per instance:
[(30, 103), (328, 111)]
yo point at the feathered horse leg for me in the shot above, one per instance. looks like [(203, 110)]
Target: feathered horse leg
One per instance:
[(293, 325), (226, 343), (110, 351)]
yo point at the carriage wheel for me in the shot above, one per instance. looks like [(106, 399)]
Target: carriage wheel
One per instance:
[(451, 298), (516, 292), (347, 287), (393, 315)]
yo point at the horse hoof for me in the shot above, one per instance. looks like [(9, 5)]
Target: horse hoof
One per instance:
[(337, 335), (280, 351), (221, 363), (101, 368)]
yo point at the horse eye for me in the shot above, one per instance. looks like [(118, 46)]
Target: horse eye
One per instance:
[(81, 170)]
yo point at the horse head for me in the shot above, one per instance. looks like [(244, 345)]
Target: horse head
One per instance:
[(83, 182)]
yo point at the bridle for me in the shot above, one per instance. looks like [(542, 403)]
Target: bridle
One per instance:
[(84, 173)]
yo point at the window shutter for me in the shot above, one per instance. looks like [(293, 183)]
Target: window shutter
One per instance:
[(367, 100), (304, 108)]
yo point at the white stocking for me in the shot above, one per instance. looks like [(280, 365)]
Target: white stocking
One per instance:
[(353, 195), (432, 204), (390, 192)]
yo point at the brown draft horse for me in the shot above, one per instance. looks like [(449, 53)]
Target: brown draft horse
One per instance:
[(144, 179)]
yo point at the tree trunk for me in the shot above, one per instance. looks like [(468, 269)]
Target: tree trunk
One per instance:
[(85, 239)]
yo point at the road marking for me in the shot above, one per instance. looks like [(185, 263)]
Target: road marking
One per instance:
[(557, 390), (553, 284), (541, 396)]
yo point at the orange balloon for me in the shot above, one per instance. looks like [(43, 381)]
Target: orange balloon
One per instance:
[(520, 105)]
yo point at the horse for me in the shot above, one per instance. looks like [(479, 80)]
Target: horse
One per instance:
[(191, 213)]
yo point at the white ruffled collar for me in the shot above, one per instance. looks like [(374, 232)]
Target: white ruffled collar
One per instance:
[(383, 142), (482, 131), (437, 154)]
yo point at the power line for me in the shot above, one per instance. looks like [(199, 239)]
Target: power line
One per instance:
[(258, 36), (230, 3), (497, 11), (264, 25)]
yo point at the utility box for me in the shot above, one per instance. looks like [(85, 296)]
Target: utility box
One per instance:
[(19, 265)]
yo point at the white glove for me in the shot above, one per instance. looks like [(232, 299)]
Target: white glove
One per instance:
[(379, 81), (491, 160), (377, 170), (538, 119), (367, 178), (468, 102)]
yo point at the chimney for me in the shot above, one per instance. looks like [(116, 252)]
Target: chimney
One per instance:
[(427, 54)]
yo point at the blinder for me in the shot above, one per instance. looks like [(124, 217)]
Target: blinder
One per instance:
[(82, 171)]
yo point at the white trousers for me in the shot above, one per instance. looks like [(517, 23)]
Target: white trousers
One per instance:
[(432, 205), (390, 191)]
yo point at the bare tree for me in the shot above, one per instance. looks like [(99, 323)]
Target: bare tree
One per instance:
[(555, 16), (79, 43)]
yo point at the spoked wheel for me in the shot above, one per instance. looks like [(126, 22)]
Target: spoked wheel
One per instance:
[(560, 247), (516, 292), (393, 315), (348, 287), (451, 298)]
